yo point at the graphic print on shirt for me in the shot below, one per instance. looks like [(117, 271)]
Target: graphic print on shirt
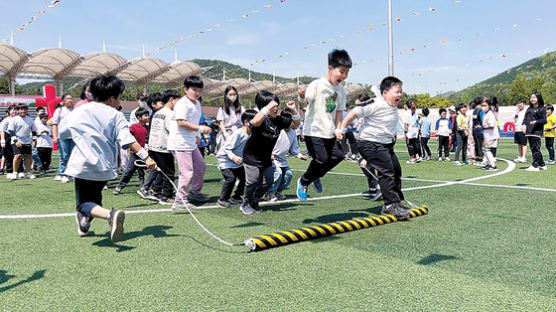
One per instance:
[(331, 103)]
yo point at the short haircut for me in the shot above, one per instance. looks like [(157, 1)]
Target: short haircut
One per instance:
[(479, 100), (388, 82), (337, 58), (169, 95), (460, 106), (549, 107), (22, 106), (264, 97), (442, 110), (193, 81), (521, 101), (362, 97), (248, 115), (425, 111), (43, 115), (64, 96), (140, 112), (286, 117), (153, 98), (104, 87), (11, 108)]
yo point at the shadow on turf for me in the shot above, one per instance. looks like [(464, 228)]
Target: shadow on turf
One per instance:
[(157, 231), (434, 258), (5, 277), (250, 224), (335, 217)]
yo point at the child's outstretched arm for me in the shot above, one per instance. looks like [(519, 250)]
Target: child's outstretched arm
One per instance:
[(340, 132)]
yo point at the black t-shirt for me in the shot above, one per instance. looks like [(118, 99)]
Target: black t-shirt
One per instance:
[(259, 146)]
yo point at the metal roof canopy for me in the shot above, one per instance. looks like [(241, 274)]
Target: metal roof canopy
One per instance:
[(12, 60), (210, 83), (259, 86), (287, 89), (143, 70), (354, 90), (57, 63), (178, 72), (99, 63), (239, 83)]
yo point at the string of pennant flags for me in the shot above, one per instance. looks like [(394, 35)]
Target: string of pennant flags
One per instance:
[(31, 20), (203, 32)]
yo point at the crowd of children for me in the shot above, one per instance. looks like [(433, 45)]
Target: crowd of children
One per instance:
[(252, 146)]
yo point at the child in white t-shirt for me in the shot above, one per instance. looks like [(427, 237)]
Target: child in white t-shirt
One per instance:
[(182, 142), (95, 129), (44, 142), (491, 135)]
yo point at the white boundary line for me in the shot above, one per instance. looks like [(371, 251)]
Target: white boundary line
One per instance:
[(511, 167)]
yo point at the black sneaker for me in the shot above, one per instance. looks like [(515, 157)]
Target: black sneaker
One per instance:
[(236, 201), (117, 190), (166, 201), (396, 210), (116, 222), (143, 193), (368, 193), (256, 207), (153, 196), (487, 167), (377, 196), (246, 209), (82, 224), (223, 203), (492, 169)]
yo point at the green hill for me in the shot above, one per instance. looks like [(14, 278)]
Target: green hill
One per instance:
[(517, 82)]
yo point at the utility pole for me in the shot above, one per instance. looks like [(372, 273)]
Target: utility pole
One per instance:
[(390, 41)]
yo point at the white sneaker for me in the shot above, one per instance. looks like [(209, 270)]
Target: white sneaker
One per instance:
[(29, 176), (457, 163), (543, 168), (517, 160), (57, 178), (439, 158), (21, 175), (64, 179), (531, 168), (11, 176), (523, 160), (550, 162)]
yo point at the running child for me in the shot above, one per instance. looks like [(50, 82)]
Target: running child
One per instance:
[(230, 162), (550, 133), (257, 163), (95, 128), (139, 131), (326, 100), (377, 138), (443, 130)]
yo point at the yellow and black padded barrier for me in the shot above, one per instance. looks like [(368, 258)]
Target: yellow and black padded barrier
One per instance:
[(317, 231)]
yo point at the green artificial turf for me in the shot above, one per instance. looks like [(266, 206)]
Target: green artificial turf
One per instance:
[(479, 249)]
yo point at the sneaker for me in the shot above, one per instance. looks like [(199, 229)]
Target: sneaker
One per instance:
[(64, 179), (464, 163), (223, 203), (199, 197), (531, 168), (427, 158), (369, 193), (411, 161), (447, 159), (317, 185), (495, 168), (396, 210), (418, 159), (236, 201), (153, 196), (439, 158), (485, 167), (117, 190), (378, 196), (523, 160), (58, 178), (82, 224), (517, 160), (457, 164), (272, 197), (21, 175), (543, 168), (182, 205), (30, 176), (116, 222), (301, 190), (550, 162), (246, 209), (256, 207), (143, 193), (166, 201), (11, 176), (280, 196)]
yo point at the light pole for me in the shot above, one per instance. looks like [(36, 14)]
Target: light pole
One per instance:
[(390, 41)]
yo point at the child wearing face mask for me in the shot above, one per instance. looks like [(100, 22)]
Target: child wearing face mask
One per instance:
[(325, 99), (229, 116)]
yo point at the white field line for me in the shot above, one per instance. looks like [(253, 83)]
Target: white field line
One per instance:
[(511, 166)]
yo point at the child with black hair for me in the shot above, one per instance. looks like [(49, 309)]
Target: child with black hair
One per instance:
[(550, 133), (156, 183), (519, 135), (257, 162), (533, 126), (23, 132), (44, 143), (461, 136), (6, 141), (65, 144), (412, 134), (491, 135), (425, 134), (230, 162), (96, 127), (139, 131), (377, 138), (443, 130), (326, 100), (476, 125), (182, 142)]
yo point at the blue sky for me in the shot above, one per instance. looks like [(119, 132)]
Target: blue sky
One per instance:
[(474, 32)]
